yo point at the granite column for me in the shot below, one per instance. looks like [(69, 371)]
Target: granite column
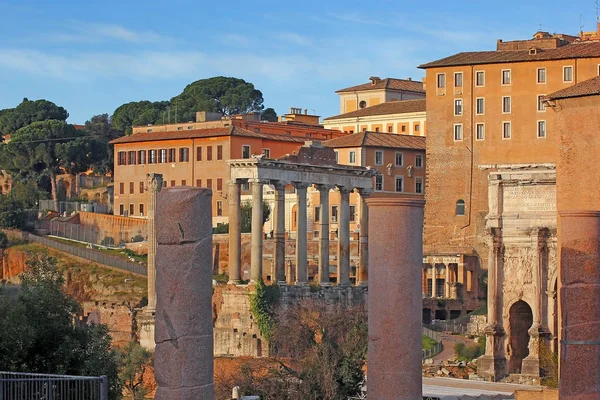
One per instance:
[(279, 232), (343, 253), (256, 257), (235, 231), (301, 236), (324, 234), (363, 240), (154, 185)]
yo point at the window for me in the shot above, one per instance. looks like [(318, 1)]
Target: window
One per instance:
[(142, 209), (209, 183), (541, 106), (334, 213), (122, 188), (267, 153), (164, 184), (441, 81), (352, 213), (506, 134), (541, 129), (337, 156), (458, 107), (506, 104), (122, 158), (419, 185), (390, 129), (417, 127), (399, 184), (190, 126), (315, 234), (458, 132), (132, 209), (352, 157), (199, 153), (506, 76), (152, 157), (162, 156), (219, 184), (399, 159), (184, 154), (379, 157), (172, 155), (541, 75), (480, 106), (480, 131), (219, 208), (172, 183), (419, 161), (480, 78), (142, 157), (377, 129), (183, 182), (141, 187), (121, 209), (219, 152), (131, 188), (245, 151), (317, 214), (364, 130), (460, 207), (458, 79), (379, 182), (208, 153), (362, 104), (567, 74), (199, 182), (403, 129), (131, 157)]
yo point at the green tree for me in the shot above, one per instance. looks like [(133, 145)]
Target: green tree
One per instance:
[(12, 213), (138, 113), (37, 333), (103, 130), (49, 147), (247, 216), (269, 115), (225, 95), (28, 112), (134, 363)]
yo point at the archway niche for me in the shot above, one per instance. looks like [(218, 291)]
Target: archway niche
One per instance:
[(520, 320)]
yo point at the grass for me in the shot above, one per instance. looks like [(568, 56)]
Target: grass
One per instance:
[(427, 342)]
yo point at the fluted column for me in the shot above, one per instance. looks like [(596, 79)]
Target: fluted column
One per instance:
[(343, 254), (235, 231), (279, 232), (396, 257), (257, 231), (324, 234), (301, 237), (363, 266), (154, 184)]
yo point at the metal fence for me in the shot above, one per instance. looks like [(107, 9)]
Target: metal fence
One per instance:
[(92, 255), (73, 206), (456, 326), (89, 234), (437, 348), (27, 386)]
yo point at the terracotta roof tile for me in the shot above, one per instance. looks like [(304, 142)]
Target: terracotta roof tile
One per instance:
[(203, 133), (388, 83), (591, 87), (377, 139), (389, 107), (574, 50)]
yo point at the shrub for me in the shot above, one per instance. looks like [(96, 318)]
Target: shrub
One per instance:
[(137, 238), (108, 241), (470, 352)]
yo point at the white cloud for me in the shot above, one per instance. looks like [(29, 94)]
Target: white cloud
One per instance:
[(295, 38), (75, 31)]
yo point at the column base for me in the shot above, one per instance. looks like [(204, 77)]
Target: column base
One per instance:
[(344, 285), (281, 283), (531, 364), (301, 284), (234, 282), (325, 284), (364, 284), (491, 368)]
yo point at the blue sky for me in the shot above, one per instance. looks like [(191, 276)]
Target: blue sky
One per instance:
[(92, 56)]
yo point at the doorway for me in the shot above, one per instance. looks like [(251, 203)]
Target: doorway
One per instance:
[(520, 320)]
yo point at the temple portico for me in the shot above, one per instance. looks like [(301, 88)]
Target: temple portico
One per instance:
[(326, 176)]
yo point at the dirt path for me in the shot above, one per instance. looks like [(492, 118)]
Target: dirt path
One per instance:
[(448, 341)]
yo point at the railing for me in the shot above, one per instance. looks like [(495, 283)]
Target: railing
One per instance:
[(73, 206), (437, 348), (92, 255), (88, 234), (28, 386), (456, 326)]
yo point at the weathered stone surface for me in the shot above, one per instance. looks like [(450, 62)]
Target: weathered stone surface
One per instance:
[(183, 363)]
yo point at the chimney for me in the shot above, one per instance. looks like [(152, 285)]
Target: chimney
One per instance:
[(410, 79), (374, 79)]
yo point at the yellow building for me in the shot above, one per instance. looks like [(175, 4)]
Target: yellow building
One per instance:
[(379, 91)]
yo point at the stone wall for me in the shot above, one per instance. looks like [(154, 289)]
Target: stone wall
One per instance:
[(476, 325), (117, 227), (118, 317)]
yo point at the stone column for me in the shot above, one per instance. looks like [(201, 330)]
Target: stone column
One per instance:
[(579, 288), (447, 281), (363, 266), (183, 363), (433, 280), (395, 259), (492, 365), (235, 231), (301, 238), (324, 234), (256, 256), (154, 185), (279, 232), (343, 254)]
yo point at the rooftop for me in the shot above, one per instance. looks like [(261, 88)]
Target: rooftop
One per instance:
[(591, 87), (387, 108), (377, 139), (387, 83), (568, 51), (203, 133)]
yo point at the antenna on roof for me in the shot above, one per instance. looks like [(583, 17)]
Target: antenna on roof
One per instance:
[(597, 10), (540, 27), (580, 23)]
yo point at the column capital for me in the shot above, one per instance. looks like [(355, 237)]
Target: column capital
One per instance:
[(258, 180), (364, 192), (279, 185), (154, 181), (344, 190), (321, 187), (301, 185)]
